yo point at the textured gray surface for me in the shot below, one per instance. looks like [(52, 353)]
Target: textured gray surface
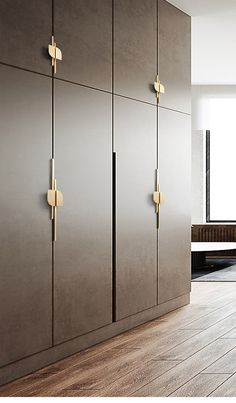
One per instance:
[(135, 139), (174, 37), (175, 214), (83, 249), (25, 32), (83, 31), (25, 228), (135, 48)]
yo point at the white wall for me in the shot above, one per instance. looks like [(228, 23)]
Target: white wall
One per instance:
[(214, 48)]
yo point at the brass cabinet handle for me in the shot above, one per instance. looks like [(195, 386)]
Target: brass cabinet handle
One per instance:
[(55, 54), (159, 88), (55, 199), (158, 198)]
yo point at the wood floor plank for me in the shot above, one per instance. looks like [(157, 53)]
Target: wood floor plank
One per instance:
[(225, 365), (83, 356), (99, 374), (132, 381), (230, 335), (120, 364), (76, 393), (162, 341), (182, 317), (201, 385), (36, 378), (200, 340), (85, 374), (213, 317), (227, 389), (176, 377), (39, 376)]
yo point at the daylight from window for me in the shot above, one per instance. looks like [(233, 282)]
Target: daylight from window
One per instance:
[(223, 159)]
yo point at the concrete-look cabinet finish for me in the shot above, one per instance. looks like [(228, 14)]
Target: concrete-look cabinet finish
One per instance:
[(135, 48), (174, 162), (25, 239), (136, 150), (111, 268), (82, 272), (25, 32), (174, 63), (83, 31)]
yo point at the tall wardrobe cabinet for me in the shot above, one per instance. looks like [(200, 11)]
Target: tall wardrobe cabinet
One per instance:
[(94, 173)]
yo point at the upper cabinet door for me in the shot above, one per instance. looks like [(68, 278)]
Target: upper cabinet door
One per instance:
[(83, 32), (174, 57), (135, 48), (25, 32)]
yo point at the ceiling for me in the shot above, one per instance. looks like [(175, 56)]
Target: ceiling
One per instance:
[(202, 7)]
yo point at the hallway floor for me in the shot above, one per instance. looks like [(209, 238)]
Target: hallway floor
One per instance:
[(189, 352)]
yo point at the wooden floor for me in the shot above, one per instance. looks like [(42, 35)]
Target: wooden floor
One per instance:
[(189, 352)]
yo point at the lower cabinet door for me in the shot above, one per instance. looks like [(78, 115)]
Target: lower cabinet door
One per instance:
[(83, 153), (25, 228), (136, 236), (175, 215)]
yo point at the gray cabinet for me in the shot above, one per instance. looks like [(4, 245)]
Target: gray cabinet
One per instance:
[(83, 31), (136, 151), (174, 249), (25, 32), (135, 48), (82, 267), (174, 64), (25, 230), (110, 262)]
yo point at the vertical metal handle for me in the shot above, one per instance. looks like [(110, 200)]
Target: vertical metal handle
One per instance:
[(159, 88), (55, 199), (55, 54), (158, 199)]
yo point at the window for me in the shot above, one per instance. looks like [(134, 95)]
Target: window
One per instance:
[(221, 160)]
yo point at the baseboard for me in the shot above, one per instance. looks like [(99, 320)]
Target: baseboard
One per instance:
[(49, 356)]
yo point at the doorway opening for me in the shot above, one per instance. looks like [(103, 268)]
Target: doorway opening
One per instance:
[(213, 149)]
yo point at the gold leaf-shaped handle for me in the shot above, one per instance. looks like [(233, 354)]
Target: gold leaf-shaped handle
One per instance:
[(159, 88), (55, 53), (158, 198)]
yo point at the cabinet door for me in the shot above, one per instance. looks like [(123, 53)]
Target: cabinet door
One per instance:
[(25, 228), (25, 32), (135, 143), (174, 57), (135, 48), (83, 291), (83, 31), (175, 216)]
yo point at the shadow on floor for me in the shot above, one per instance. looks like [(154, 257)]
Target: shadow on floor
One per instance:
[(216, 270)]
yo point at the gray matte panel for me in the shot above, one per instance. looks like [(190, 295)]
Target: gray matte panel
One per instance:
[(83, 31), (135, 48), (25, 32), (175, 215), (135, 143), (25, 228), (83, 293), (174, 57)]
